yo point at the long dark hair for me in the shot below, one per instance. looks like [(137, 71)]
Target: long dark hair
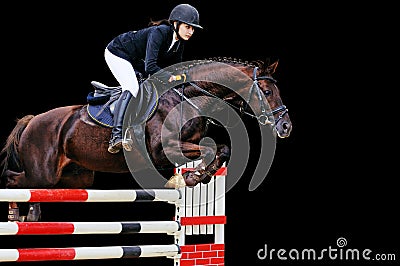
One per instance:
[(158, 22)]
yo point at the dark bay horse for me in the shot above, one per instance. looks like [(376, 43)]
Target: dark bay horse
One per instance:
[(64, 147)]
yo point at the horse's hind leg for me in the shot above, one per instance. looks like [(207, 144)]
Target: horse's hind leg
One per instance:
[(34, 213), (16, 180), (13, 212), (75, 176)]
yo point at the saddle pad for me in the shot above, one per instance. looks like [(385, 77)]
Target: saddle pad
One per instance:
[(99, 111), (100, 114)]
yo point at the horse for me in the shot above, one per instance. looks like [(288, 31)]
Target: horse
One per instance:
[(64, 147)]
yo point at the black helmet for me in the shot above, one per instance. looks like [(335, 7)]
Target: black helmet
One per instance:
[(187, 14)]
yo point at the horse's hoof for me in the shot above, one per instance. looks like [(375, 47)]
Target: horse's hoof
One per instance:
[(191, 179), (34, 213), (13, 214)]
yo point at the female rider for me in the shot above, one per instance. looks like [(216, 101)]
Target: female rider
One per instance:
[(145, 52)]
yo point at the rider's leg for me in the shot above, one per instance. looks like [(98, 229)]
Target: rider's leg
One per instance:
[(115, 144), (126, 77)]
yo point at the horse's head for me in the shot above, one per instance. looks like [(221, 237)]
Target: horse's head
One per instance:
[(259, 96), (264, 83)]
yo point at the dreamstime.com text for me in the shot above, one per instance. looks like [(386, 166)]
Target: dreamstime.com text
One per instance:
[(330, 253)]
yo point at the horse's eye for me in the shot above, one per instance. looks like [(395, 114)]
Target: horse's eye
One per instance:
[(267, 93)]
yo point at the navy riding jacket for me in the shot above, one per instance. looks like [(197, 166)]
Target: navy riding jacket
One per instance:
[(147, 49)]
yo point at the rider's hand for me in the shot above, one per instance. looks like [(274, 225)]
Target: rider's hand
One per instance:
[(177, 78), (172, 78)]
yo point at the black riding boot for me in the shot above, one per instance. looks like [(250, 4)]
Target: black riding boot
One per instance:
[(115, 144)]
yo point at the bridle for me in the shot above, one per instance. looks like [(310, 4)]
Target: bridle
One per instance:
[(263, 118)]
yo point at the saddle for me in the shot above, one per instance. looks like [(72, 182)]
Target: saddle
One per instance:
[(101, 103)]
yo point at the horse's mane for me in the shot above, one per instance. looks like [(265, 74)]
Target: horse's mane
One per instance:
[(226, 60), (238, 61), (214, 75)]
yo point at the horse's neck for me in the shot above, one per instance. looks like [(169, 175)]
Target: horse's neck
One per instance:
[(217, 73)]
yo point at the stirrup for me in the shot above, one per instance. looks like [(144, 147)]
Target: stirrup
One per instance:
[(127, 142)]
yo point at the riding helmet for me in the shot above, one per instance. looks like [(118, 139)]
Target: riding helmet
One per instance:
[(187, 14)]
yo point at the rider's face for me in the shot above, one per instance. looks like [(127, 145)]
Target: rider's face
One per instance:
[(185, 31)]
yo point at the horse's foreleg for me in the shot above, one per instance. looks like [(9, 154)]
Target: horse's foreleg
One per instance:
[(208, 171), (204, 171)]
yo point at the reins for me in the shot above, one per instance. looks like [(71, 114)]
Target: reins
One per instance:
[(263, 118)]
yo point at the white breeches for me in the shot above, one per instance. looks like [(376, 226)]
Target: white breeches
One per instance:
[(123, 72)]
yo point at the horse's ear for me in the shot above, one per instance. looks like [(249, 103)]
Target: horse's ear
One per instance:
[(272, 67)]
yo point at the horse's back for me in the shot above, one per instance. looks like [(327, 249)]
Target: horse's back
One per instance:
[(43, 130)]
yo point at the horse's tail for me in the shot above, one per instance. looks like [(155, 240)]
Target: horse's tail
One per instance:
[(11, 159)]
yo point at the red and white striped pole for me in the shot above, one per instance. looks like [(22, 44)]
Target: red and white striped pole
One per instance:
[(88, 195), (74, 228), (87, 253)]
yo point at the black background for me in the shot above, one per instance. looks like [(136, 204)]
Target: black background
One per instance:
[(333, 177)]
